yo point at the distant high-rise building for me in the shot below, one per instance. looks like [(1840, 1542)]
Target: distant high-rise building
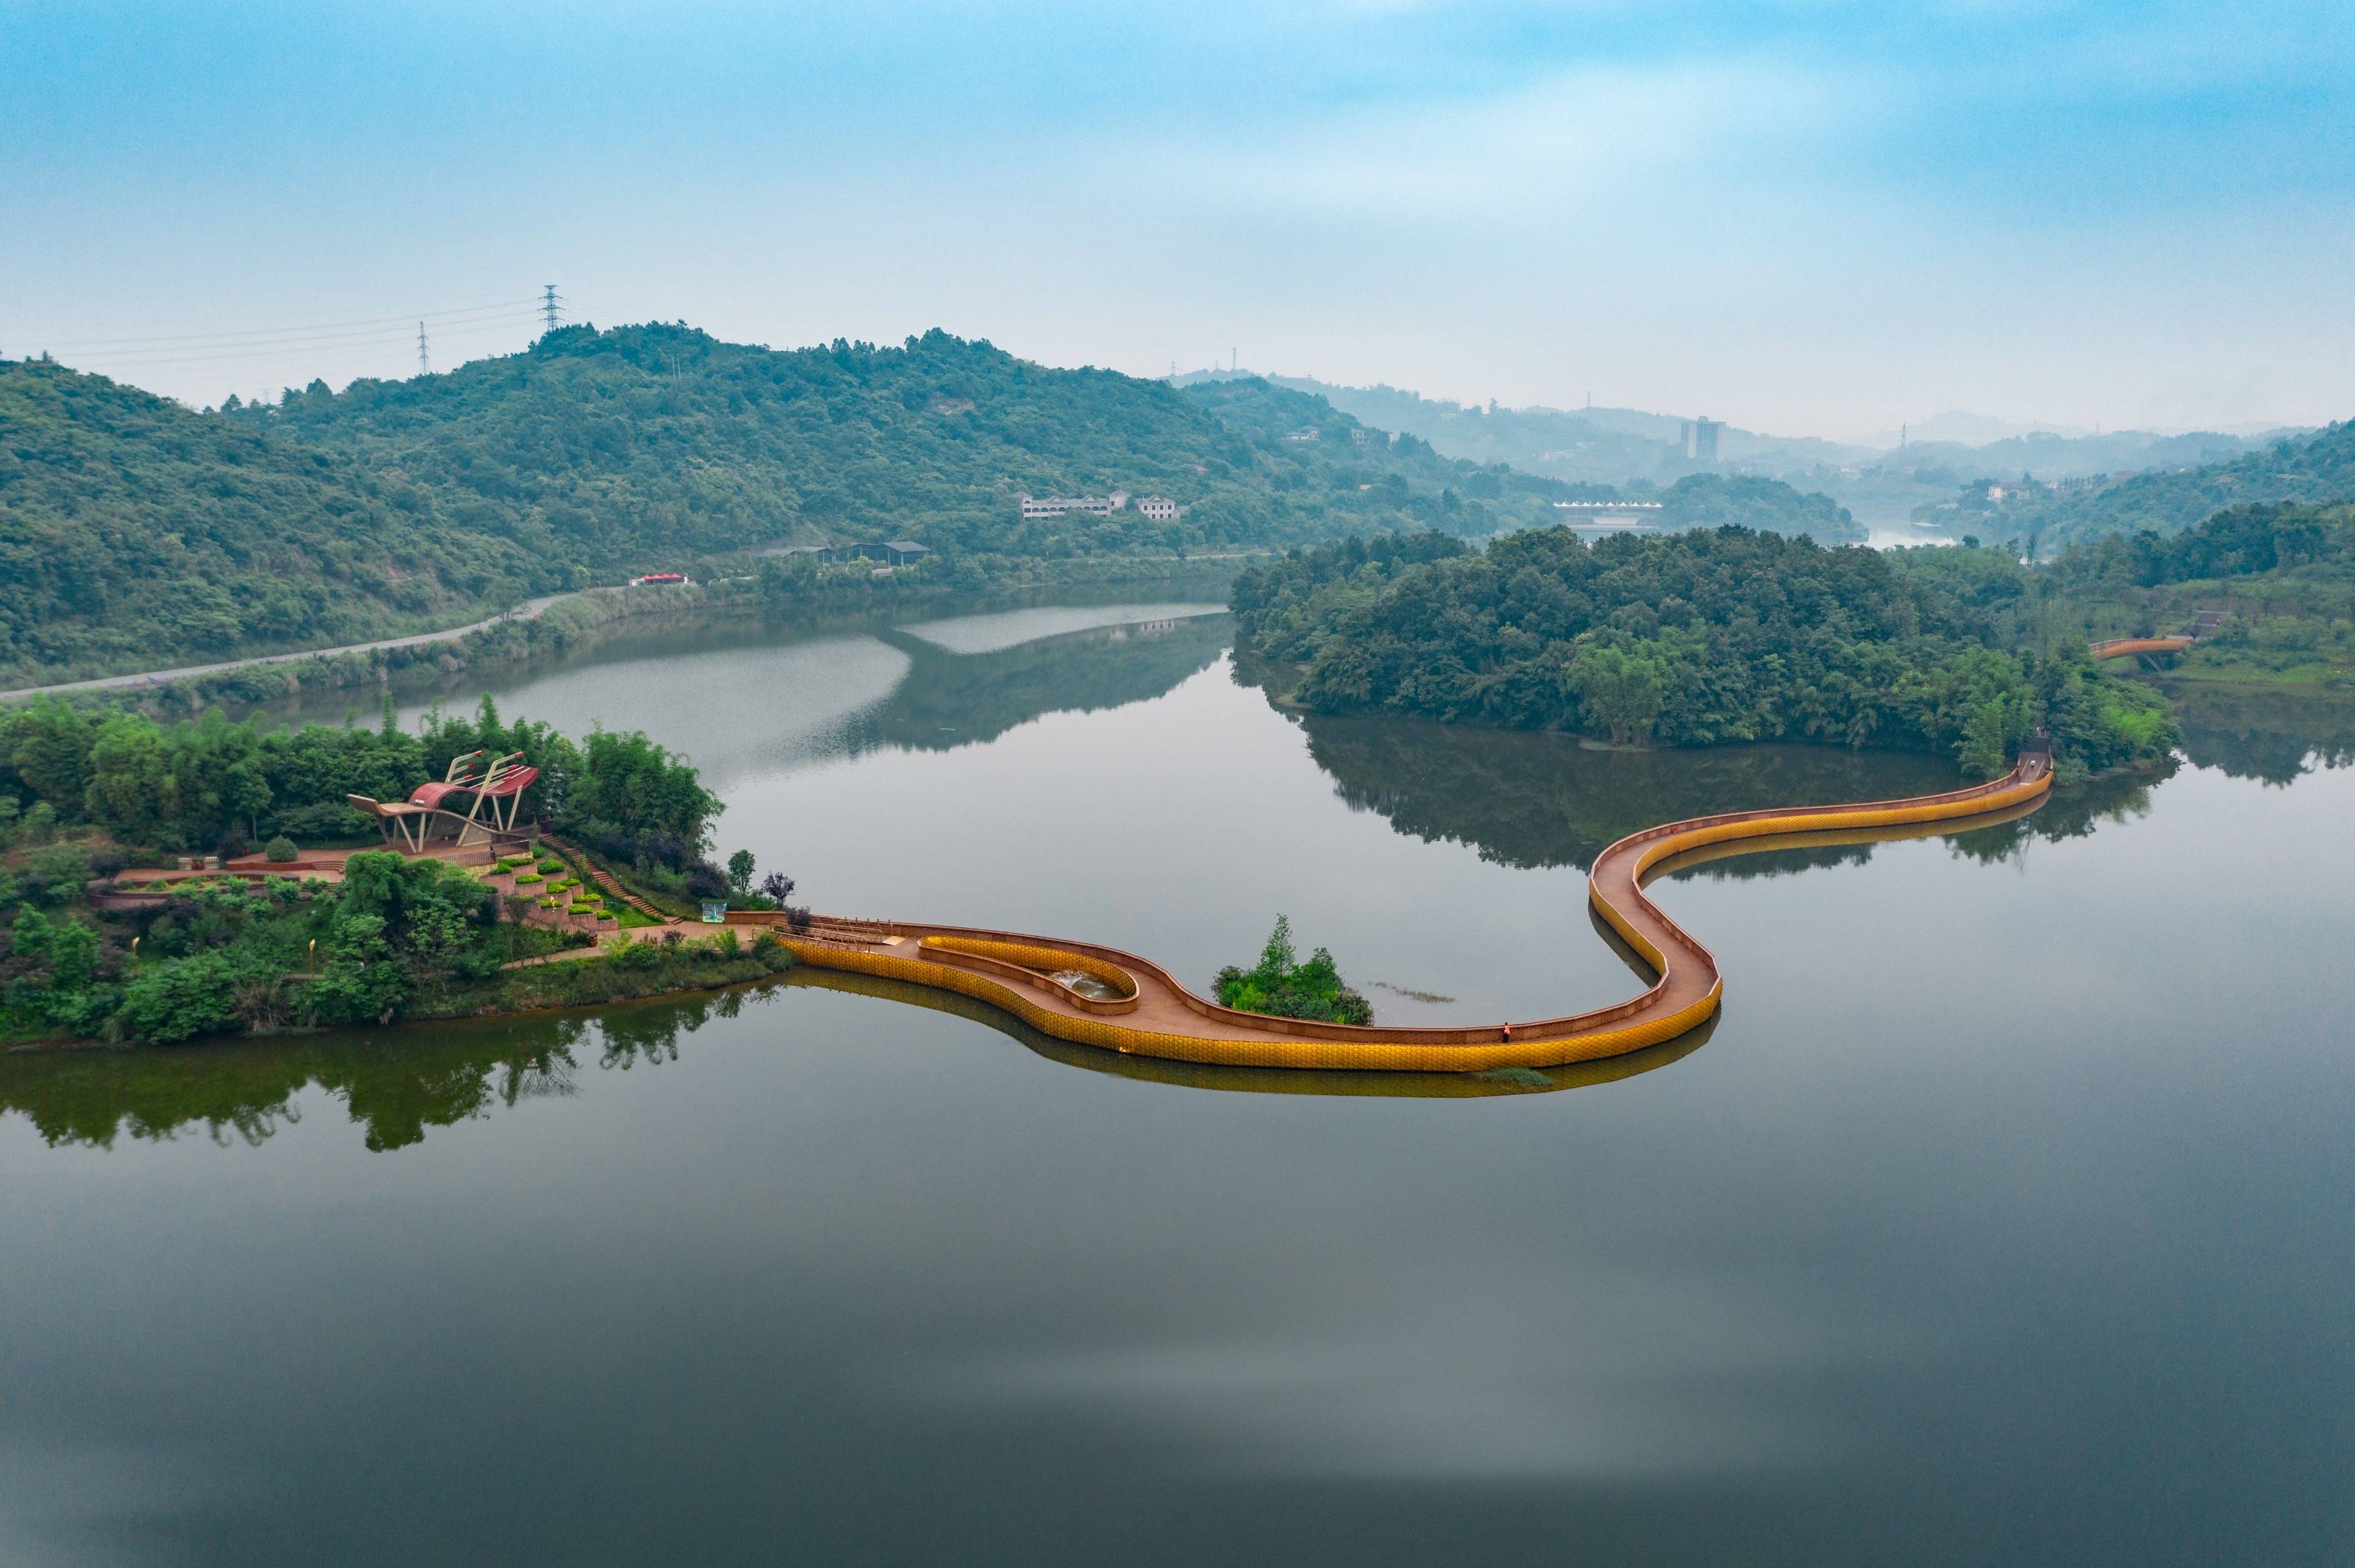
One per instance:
[(1700, 439)]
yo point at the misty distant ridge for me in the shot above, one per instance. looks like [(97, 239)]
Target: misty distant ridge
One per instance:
[(1894, 481), (1956, 428)]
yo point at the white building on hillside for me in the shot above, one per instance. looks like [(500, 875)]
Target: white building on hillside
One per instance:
[(1159, 508), (1056, 506)]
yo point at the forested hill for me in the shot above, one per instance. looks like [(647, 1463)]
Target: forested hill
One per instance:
[(141, 534), (1709, 637), (2320, 469), (134, 532), (650, 445)]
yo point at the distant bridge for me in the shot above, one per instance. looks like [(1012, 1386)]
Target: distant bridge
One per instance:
[(2204, 624)]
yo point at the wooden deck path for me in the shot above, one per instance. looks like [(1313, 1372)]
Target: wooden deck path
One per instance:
[(1157, 1015)]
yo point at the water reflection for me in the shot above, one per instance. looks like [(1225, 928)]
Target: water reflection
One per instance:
[(395, 1084), (2271, 736), (1533, 801), (951, 698), (398, 1084)]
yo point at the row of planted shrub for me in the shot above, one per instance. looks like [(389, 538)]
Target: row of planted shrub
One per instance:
[(559, 893)]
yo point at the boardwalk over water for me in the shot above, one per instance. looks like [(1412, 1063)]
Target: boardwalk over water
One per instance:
[(1148, 1011)]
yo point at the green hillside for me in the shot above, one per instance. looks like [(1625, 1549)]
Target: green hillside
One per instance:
[(142, 534), (134, 533), (648, 446), (2320, 468)]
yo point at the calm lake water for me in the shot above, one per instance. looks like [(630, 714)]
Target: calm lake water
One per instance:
[(2004, 1216)]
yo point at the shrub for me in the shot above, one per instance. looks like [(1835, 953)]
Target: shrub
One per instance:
[(325, 819), (185, 997), (280, 850), (1284, 985)]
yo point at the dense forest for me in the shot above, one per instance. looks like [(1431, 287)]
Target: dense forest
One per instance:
[(654, 444), (2283, 573), (134, 532), (1700, 638), (140, 533), (1747, 500)]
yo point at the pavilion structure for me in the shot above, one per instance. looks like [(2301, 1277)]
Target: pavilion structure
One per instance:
[(492, 792)]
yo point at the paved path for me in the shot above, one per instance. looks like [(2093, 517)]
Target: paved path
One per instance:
[(529, 610)]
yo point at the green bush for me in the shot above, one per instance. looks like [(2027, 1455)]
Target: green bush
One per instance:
[(1284, 985), (280, 850), (184, 998)]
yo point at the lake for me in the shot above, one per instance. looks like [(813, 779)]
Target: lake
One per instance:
[(2002, 1217)]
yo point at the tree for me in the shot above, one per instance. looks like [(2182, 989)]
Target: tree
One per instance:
[(739, 872), (362, 980), (1983, 753), (183, 997), (1623, 691)]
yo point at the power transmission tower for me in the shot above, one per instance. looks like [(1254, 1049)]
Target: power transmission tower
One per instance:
[(424, 365), (547, 304)]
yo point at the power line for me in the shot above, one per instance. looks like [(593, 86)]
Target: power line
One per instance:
[(291, 347), (259, 333)]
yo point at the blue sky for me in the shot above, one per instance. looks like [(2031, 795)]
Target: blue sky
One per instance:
[(1818, 217)]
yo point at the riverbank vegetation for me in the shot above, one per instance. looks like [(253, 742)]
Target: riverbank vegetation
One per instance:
[(204, 784), (1282, 983), (1709, 637), (2283, 575), (85, 795)]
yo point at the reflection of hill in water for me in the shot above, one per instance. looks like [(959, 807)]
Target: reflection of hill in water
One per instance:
[(2267, 735), (1539, 800), (950, 699), (398, 1084), (394, 1084)]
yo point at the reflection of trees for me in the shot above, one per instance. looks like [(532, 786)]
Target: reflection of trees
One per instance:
[(2073, 813), (2270, 736), (956, 699), (1534, 800), (395, 1084)]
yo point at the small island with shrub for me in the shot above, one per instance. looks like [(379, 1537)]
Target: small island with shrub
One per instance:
[(1280, 983)]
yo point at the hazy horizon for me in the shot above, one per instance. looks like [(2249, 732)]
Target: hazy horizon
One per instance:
[(1806, 221)]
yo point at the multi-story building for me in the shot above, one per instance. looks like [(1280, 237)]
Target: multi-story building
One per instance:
[(1056, 506), (1158, 508), (1700, 439)]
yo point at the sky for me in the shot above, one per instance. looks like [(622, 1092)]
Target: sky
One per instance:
[(1807, 219)]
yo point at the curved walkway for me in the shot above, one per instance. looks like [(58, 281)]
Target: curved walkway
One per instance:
[(529, 610), (1151, 1013)]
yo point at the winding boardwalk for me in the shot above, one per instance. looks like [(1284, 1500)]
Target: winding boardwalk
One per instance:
[(1150, 1013)]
